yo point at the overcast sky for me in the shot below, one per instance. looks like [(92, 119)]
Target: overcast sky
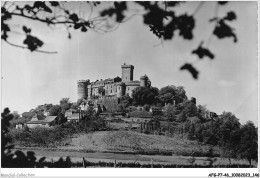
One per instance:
[(227, 83)]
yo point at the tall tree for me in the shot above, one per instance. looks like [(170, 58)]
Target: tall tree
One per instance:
[(229, 123), (248, 147), (171, 113), (230, 149), (190, 109), (65, 104), (229, 135)]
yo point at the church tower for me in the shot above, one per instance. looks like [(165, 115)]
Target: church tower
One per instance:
[(127, 72)]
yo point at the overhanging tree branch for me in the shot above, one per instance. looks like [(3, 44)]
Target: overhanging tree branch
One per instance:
[(42, 20), (24, 47)]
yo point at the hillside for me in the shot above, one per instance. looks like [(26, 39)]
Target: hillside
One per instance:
[(128, 141)]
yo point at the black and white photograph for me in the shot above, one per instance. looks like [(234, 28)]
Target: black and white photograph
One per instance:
[(168, 85)]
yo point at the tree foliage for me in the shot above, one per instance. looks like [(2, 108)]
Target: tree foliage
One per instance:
[(44, 107), (55, 110), (229, 123), (126, 101), (144, 95), (74, 106), (248, 147), (101, 90), (235, 141), (171, 93), (203, 113), (190, 109), (65, 104), (159, 16), (17, 159), (171, 113)]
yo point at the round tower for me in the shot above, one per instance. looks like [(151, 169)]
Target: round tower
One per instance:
[(120, 89), (82, 89), (143, 81)]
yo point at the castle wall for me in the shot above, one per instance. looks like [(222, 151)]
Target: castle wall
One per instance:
[(129, 90), (110, 89), (120, 90), (142, 82), (110, 103), (112, 86)]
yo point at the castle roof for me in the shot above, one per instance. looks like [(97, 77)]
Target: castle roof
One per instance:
[(108, 80), (132, 83), (50, 118), (74, 116), (120, 83), (127, 66)]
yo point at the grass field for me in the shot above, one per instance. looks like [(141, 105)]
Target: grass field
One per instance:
[(126, 158), (77, 156), (128, 141), (120, 145)]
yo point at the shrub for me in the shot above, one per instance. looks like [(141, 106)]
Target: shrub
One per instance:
[(147, 107), (21, 120), (19, 135), (142, 114), (132, 108)]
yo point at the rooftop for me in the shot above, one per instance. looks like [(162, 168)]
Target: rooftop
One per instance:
[(48, 119)]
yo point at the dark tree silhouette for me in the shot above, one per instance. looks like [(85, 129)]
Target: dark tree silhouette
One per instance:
[(9, 158), (143, 95), (160, 17), (248, 147)]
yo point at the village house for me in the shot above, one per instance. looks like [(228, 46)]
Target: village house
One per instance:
[(155, 110), (74, 117), (19, 126), (42, 122)]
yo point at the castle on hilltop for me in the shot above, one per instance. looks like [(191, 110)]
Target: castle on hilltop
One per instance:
[(112, 87)]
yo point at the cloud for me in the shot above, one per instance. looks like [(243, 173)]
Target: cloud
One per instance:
[(226, 83)]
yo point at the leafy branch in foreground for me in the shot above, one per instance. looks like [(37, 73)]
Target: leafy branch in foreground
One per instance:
[(160, 17)]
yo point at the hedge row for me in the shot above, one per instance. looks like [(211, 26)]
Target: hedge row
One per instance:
[(68, 164)]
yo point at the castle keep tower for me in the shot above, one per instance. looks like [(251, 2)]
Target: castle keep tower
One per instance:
[(127, 72), (82, 89)]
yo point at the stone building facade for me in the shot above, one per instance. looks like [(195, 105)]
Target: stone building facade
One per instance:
[(112, 87)]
